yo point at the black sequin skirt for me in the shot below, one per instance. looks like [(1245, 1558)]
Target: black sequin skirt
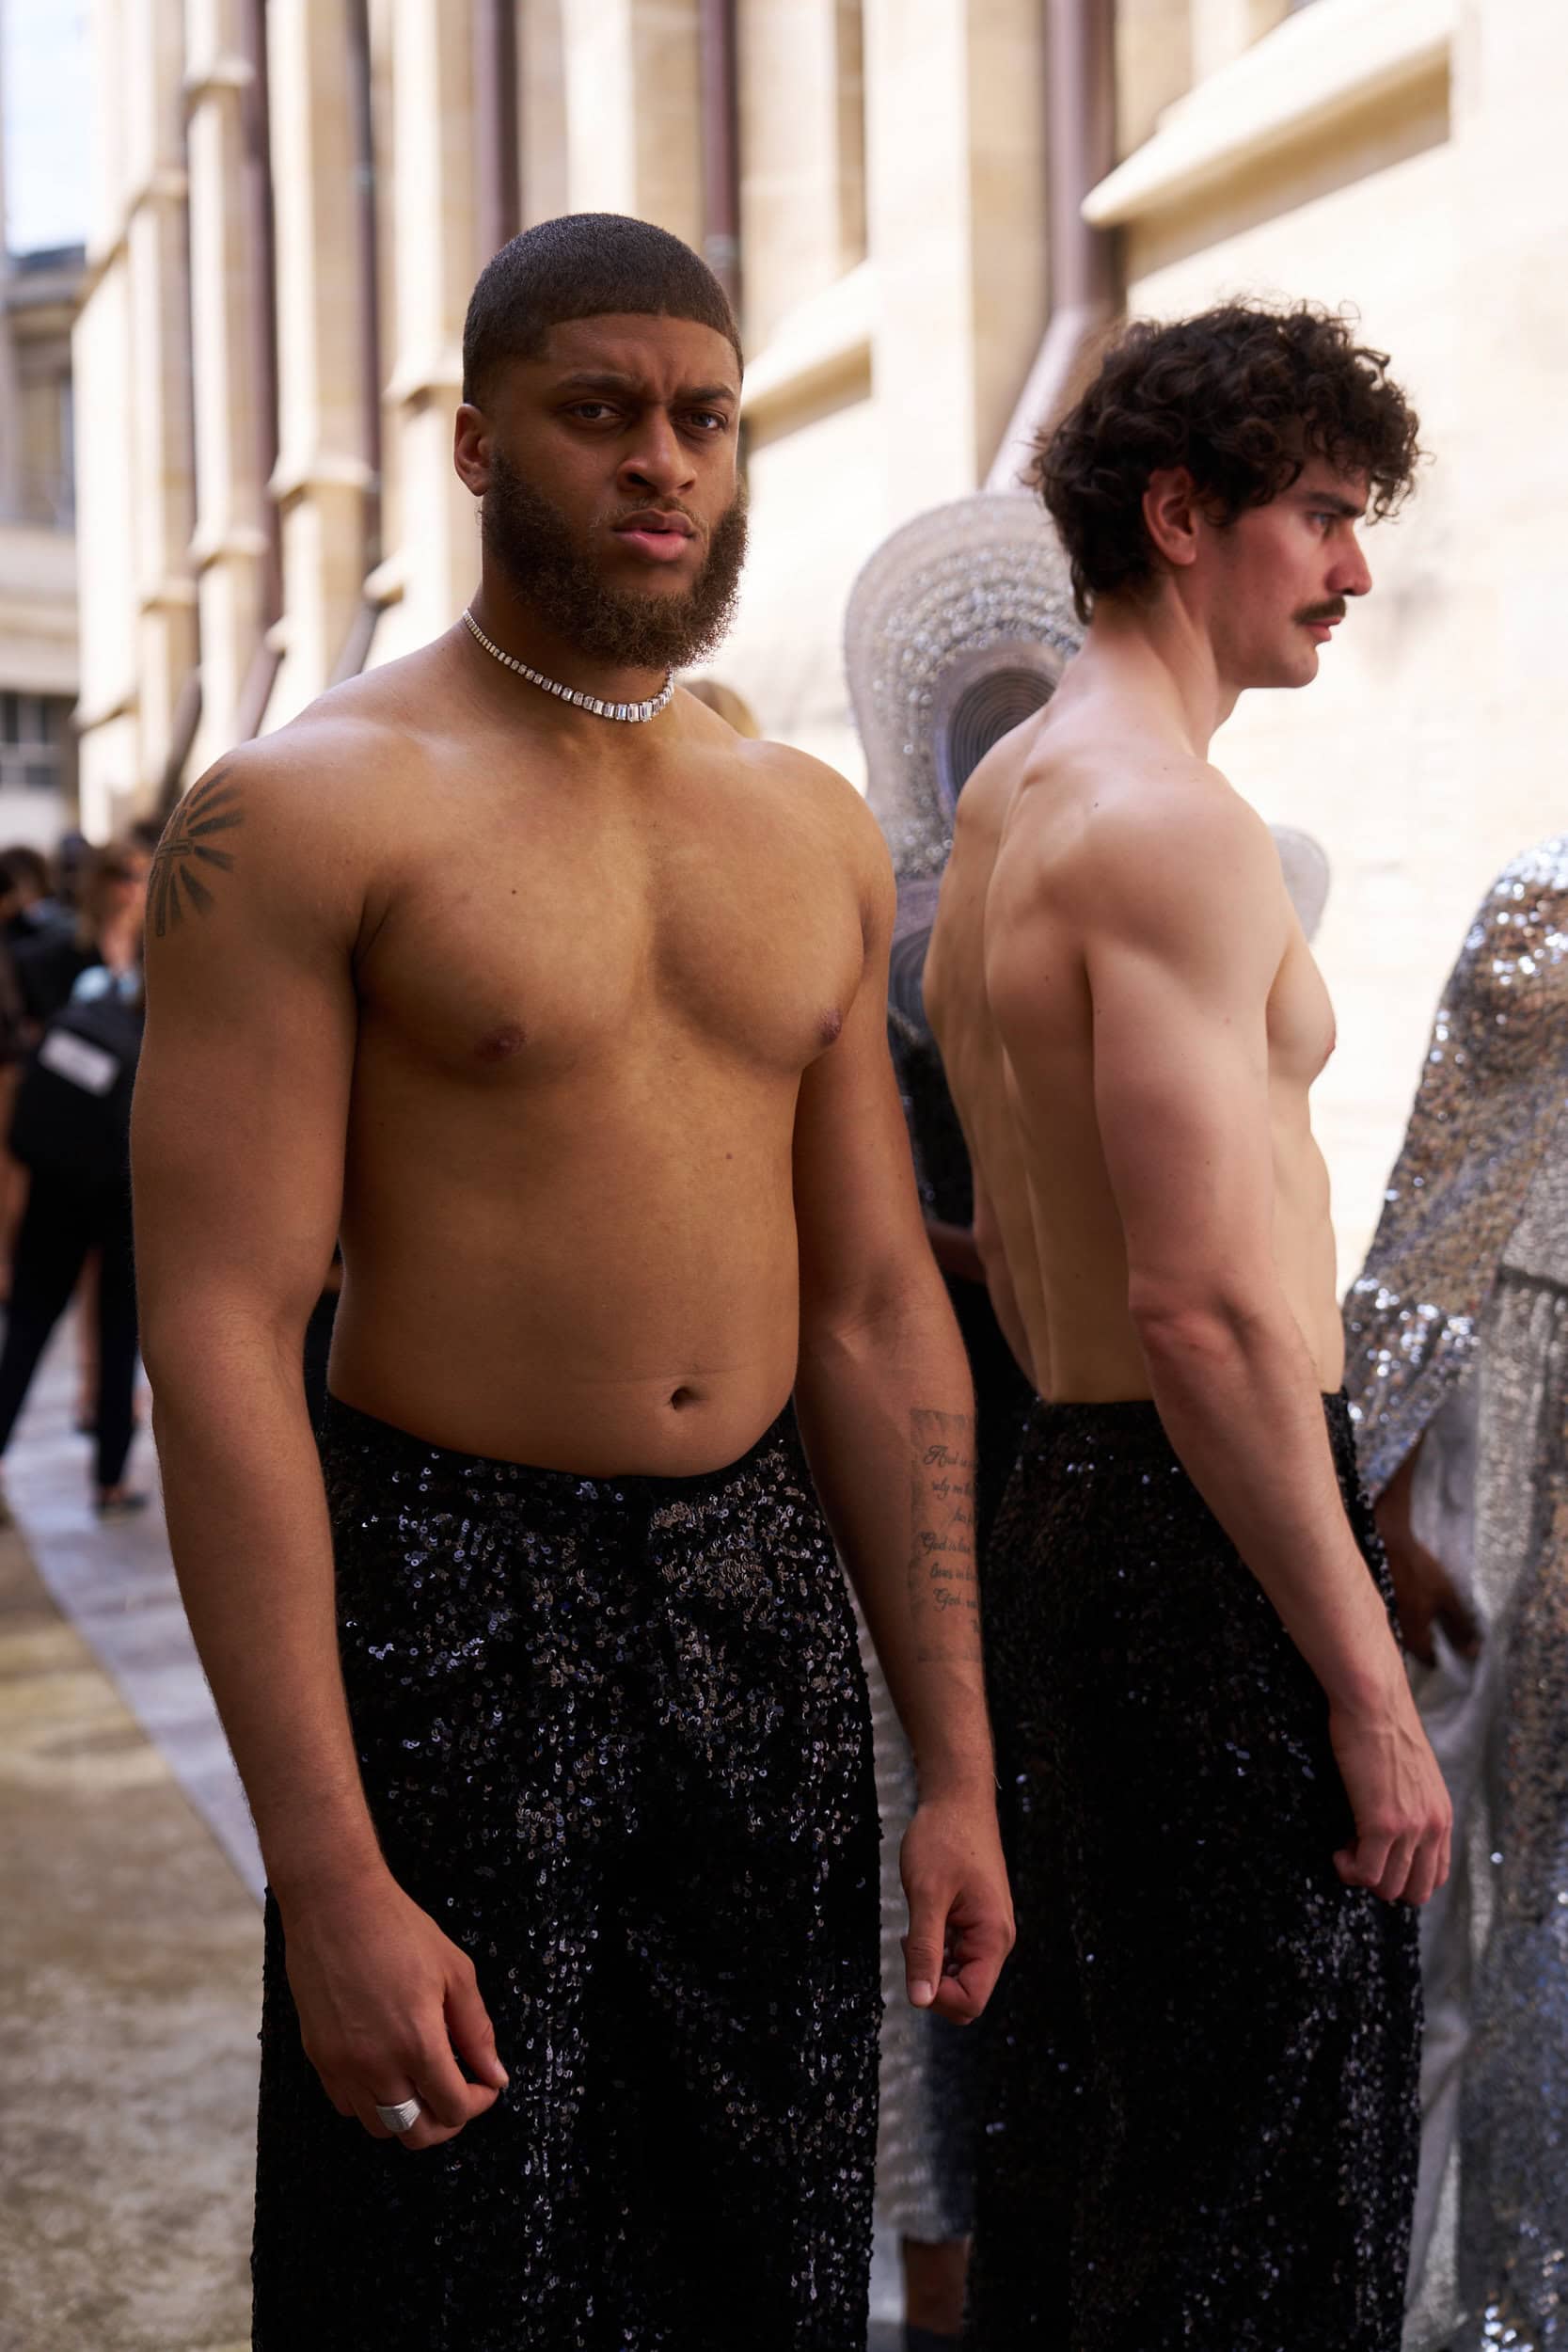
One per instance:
[(1201, 2115), (615, 1738)]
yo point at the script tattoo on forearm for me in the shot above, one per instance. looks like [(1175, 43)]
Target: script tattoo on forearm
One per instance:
[(945, 1595), (187, 843)]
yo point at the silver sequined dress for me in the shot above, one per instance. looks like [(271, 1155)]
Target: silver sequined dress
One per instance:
[(1458, 1331)]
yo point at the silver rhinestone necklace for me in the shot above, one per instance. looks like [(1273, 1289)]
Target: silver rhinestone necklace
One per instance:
[(636, 713)]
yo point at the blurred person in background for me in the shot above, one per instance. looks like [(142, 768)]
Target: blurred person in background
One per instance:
[(23, 884), (31, 907), (69, 1132), (564, 1003), (72, 862), (1457, 1367), (103, 936), (733, 709), (93, 950)]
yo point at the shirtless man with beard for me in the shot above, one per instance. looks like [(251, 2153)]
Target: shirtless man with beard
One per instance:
[(564, 1005), (1220, 1805)]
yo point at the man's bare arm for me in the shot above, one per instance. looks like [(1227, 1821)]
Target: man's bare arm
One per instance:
[(886, 1411), (238, 1140), (1181, 966)]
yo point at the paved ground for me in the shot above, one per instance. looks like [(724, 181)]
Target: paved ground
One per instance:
[(130, 1937), (128, 1989)]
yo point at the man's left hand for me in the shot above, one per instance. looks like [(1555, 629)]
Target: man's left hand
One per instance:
[(960, 1909)]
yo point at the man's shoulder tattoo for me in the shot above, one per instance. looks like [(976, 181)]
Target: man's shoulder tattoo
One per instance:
[(189, 843)]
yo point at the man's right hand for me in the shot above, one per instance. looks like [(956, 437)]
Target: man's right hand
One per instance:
[(1403, 1815), (1426, 1596), (384, 2002)]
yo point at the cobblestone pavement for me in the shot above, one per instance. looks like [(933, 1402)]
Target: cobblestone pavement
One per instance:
[(130, 1938)]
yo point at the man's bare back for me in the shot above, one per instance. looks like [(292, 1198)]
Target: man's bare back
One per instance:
[(1203, 1721), (1059, 833), (581, 1018)]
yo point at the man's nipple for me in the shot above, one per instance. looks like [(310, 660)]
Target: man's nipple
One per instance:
[(500, 1044)]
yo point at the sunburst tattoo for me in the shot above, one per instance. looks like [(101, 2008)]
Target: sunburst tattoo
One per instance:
[(188, 840)]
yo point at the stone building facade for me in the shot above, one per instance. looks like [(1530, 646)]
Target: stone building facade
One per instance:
[(38, 550), (295, 197)]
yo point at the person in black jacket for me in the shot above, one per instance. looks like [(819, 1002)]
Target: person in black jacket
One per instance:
[(106, 932), (71, 1130)]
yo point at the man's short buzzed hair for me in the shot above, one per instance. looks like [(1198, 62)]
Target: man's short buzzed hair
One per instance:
[(583, 265), (1243, 396)]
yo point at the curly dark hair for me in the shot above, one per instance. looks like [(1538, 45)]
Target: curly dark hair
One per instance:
[(1242, 396), (579, 266)]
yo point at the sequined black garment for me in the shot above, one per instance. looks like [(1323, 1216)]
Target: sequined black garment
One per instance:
[(1201, 2123), (615, 1737)]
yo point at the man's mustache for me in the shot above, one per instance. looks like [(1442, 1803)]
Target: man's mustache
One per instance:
[(1334, 612)]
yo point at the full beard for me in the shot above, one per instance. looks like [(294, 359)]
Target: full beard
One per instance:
[(557, 577)]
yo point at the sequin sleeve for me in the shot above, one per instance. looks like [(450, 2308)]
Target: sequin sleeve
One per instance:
[(1492, 1088)]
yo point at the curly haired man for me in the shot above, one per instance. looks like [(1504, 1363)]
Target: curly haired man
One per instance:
[(1220, 1806)]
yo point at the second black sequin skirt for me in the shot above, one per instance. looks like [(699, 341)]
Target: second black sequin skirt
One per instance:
[(1201, 2123), (615, 1737)]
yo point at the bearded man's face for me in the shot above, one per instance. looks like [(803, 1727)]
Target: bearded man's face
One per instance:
[(562, 573)]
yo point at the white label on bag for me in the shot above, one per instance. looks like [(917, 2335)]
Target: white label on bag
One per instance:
[(81, 1064)]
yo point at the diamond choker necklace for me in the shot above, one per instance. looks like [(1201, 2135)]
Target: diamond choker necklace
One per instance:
[(636, 713)]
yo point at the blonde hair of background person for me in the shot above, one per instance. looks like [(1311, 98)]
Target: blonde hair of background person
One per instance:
[(732, 707)]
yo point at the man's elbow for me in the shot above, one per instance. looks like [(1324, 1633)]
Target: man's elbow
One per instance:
[(192, 1337), (1191, 1324), (898, 1292)]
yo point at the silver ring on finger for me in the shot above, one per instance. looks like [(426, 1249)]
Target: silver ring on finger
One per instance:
[(401, 2118)]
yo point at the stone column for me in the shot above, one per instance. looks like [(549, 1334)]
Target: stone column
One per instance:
[(542, 109), (322, 474), (630, 70), (1507, 564), (10, 407), (230, 545), (957, 226), (432, 540), (133, 465), (160, 406), (802, 162)]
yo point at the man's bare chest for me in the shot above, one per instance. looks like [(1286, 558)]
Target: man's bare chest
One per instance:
[(1301, 1024), (532, 960)]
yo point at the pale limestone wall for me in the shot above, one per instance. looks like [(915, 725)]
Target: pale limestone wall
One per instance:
[(802, 180), (1430, 749), (631, 85), (907, 130), (785, 653), (886, 390), (38, 609), (103, 507), (894, 267), (1154, 64), (542, 109), (432, 230), (322, 474), (133, 485), (229, 544)]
